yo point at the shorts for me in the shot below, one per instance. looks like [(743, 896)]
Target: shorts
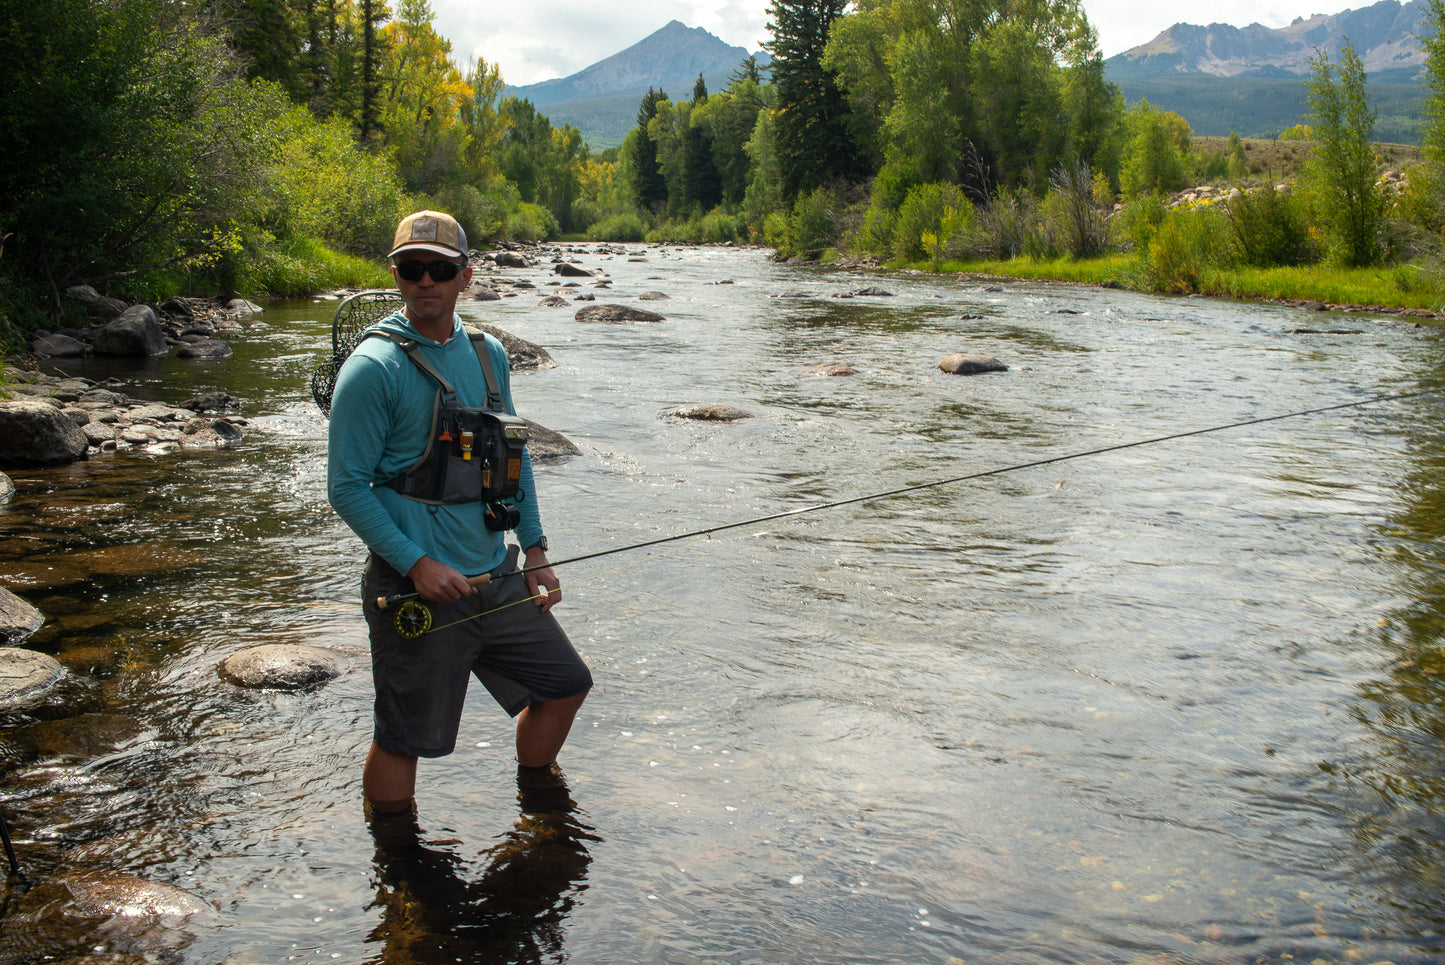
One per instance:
[(520, 654)]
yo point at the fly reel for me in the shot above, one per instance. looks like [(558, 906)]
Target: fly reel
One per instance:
[(412, 619)]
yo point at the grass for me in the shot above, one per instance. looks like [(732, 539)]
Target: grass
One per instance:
[(1392, 288)]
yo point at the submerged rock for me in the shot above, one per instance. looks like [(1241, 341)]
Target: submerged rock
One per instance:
[(18, 619), (616, 314), (713, 413), (969, 363), (26, 676), (282, 666)]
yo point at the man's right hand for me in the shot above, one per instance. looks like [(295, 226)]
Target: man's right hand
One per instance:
[(438, 582)]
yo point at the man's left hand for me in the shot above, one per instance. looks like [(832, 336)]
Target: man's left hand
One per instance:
[(542, 582)]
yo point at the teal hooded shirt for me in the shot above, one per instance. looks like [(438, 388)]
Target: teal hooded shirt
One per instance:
[(381, 415)]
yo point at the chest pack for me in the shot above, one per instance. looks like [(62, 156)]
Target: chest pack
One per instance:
[(472, 455)]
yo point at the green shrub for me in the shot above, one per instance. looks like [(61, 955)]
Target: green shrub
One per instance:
[(619, 227), (1188, 245), (324, 186), (1140, 219), (530, 222), (1270, 228), (1007, 227), (938, 211)]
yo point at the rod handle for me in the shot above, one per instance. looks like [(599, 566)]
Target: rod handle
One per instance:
[(386, 602)]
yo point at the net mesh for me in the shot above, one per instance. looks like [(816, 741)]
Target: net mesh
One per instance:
[(353, 317)]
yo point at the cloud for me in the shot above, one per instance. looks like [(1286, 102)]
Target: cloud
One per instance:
[(544, 39)]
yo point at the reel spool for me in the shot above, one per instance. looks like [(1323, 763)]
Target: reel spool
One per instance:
[(412, 619)]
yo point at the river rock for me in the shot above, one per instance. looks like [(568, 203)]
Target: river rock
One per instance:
[(652, 297), (35, 432), (713, 413), (206, 348), (569, 270), (282, 667), (135, 333), (616, 314), (485, 293), (109, 894), (544, 443), (240, 308), (18, 619), (510, 259), (213, 401), (57, 346), (833, 368), (7, 489), (95, 304), (969, 363), (521, 354), (553, 301), (26, 676), (203, 433), (868, 292)]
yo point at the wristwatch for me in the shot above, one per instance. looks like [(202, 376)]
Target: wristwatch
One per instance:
[(541, 544)]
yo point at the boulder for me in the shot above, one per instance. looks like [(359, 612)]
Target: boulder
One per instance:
[(969, 363), (484, 293), (282, 667), (553, 301), (833, 368), (713, 413), (214, 401), (35, 432), (26, 677), (616, 314), (241, 308), (569, 270), (652, 297), (521, 354), (7, 489), (95, 304), (869, 292), (57, 347), (135, 333), (510, 259), (206, 348), (18, 619), (544, 443)]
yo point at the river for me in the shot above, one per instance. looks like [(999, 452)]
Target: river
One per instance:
[(1177, 702)]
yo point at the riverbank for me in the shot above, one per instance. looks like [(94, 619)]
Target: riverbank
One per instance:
[(1408, 291)]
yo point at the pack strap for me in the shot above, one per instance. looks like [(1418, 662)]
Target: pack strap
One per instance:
[(484, 357)]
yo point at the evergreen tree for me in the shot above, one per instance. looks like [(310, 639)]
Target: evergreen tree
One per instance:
[(815, 141), (648, 185)]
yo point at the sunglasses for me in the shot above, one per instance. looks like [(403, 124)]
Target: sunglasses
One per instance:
[(440, 271)]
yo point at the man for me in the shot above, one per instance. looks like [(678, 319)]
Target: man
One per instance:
[(383, 412)]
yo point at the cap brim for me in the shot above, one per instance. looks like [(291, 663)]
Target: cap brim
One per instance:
[(435, 249)]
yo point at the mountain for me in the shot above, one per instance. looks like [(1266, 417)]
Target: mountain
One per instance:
[(601, 100), (1250, 80)]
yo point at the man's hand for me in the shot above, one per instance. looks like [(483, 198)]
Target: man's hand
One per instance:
[(542, 582), (438, 582)]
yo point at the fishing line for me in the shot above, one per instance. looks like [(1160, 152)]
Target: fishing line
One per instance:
[(697, 534), (983, 474)]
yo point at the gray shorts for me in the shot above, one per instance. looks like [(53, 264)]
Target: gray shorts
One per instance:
[(520, 654)]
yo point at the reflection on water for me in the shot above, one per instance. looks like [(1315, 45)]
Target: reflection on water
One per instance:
[(508, 905), (1177, 703)]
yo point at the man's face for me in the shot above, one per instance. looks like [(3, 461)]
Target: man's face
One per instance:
[(429, 300)]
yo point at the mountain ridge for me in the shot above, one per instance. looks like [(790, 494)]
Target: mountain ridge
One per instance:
[(601, 99)]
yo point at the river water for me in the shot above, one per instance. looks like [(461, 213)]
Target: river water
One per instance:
[(1178, 702)]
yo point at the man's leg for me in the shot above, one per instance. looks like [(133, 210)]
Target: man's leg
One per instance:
[(542, 729), (389, 779)]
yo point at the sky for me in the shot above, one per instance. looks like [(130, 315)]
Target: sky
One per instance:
[(540, 40)]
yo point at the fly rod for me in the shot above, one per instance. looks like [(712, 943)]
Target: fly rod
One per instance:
[(485, 578)]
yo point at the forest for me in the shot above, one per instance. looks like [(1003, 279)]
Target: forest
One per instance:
[(268, 147)]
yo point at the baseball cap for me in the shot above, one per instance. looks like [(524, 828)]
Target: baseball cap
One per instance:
[(430, 231)]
